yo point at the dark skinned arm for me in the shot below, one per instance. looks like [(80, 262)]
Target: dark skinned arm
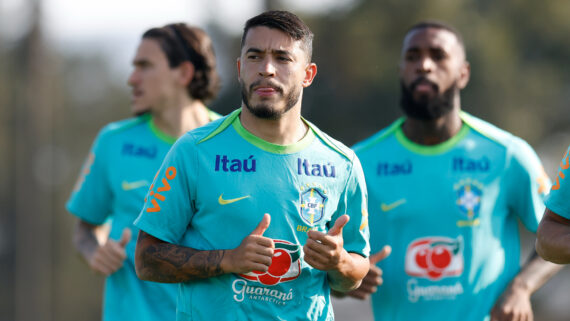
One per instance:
[(553, 238)]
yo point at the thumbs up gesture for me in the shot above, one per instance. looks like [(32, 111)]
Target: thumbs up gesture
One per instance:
[(109, 257), (253, 254), (373, 279), (325, 251)]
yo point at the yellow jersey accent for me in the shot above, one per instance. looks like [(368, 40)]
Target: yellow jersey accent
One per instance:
[(226, 202), (462, 223), (127, 186), (391, 206)]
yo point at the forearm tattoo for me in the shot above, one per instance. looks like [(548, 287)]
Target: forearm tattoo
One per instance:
[(169, 263)]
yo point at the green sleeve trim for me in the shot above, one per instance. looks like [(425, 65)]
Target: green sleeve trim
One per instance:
[(482, 128), (382, 135), (431, 149), (270, 147), (223, 125), (327, 140), (127, 123), (160, 134)]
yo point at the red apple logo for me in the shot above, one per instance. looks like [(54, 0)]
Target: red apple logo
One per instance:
[(421, 258), (440, 257), (285, 265), (435, 257)]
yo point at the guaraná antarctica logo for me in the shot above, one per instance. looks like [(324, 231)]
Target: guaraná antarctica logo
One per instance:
[(435, 257), (285, 265)]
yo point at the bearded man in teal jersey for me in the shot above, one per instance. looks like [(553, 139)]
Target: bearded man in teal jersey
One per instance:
[(446, 192), (259, 214), (174, 75)]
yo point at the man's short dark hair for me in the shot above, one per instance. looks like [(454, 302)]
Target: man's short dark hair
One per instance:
[(180, 43), (284, 21), (438, 25)]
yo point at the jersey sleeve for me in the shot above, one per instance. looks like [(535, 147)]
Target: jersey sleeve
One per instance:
[(354, 202), (167, 210), (92, 196), (530, 183), (558, 200)]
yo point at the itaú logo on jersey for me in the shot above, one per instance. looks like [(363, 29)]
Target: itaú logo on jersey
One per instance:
[(435, 257), (285, 265)]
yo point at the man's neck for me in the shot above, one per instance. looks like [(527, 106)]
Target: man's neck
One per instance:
[(286, 130), (175, 121), (433, 132)]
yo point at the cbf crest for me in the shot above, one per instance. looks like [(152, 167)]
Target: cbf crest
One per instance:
[(312, 207), (469, 195)]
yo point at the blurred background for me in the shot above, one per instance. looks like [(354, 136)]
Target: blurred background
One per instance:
[(63, 71)]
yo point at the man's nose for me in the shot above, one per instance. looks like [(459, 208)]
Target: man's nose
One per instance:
[(133, 78), (267, 68), (425, 65)]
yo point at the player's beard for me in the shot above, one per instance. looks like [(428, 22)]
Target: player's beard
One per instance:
[(427, 108), (266, 110)]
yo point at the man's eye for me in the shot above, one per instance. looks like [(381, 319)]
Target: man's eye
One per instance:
[(438, 55), (283, 58), (253, 57), (412, 57)]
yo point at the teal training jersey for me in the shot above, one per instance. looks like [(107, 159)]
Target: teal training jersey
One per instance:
[(213, 189), (450, 213), (114, 180), (558, 201)]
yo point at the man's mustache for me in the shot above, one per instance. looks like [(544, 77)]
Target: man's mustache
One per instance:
[(261, 83), (423, 80)]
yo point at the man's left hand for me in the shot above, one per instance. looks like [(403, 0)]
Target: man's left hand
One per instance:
[(325, 252), (513, 305)]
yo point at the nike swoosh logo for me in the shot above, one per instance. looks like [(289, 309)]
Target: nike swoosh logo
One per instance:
[(127, 186), (226, 202), (391, 206)]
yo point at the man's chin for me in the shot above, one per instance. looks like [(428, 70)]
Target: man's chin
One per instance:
[(265, 111), (139, 110)]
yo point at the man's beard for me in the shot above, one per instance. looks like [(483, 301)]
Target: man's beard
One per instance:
[(426, 108), (265, 110)]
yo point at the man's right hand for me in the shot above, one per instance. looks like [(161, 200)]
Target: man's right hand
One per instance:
[(253, 254), (109, 257), (373, 279)]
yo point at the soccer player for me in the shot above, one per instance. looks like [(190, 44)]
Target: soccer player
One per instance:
[(259, 213), (446, 190), (553, 235), (174, 75)]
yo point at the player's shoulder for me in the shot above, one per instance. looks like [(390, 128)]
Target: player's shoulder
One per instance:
[(377, 138), (332, 144), (210, 130), (510, 142), (123, 126)]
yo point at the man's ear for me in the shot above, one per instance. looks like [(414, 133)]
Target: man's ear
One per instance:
[(238, 65), (186, 73), (464, 75), (310, 73)]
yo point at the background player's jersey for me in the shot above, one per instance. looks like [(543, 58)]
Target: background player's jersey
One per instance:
[(213, 189), (450, 213), (114, 180), (558, 201)]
